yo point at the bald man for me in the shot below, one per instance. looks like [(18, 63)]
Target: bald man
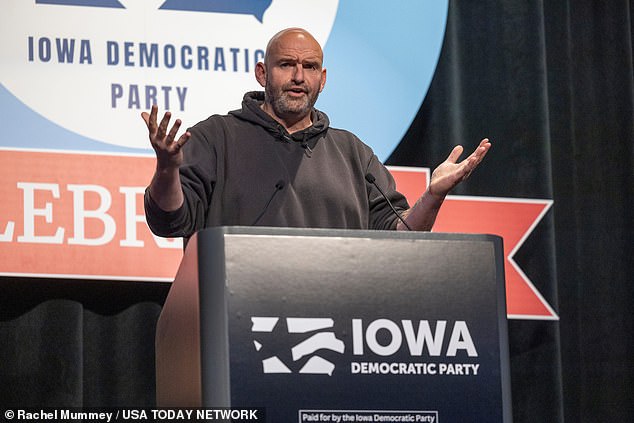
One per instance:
[(277, 162)]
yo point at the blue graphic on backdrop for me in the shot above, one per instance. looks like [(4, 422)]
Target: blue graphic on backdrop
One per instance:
[(25, 129), (380, 62), (92, 3), (244, 7)]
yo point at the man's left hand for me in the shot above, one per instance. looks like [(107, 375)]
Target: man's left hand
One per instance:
[(450, 173)]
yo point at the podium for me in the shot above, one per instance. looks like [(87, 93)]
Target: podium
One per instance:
[(338, 325)]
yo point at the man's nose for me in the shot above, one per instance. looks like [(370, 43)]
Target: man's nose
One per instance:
[(298, 74)]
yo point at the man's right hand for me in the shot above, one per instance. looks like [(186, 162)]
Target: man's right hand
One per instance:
[(165, 188), (168, 150)]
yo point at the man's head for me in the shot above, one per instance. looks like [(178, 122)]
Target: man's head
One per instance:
[(292, 75)]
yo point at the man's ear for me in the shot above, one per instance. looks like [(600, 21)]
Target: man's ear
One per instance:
[(323, 80), (260, 73)]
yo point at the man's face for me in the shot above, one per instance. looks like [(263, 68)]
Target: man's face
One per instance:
[(294, 75)]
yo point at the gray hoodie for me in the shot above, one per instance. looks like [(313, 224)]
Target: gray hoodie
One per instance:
[(245, 169)]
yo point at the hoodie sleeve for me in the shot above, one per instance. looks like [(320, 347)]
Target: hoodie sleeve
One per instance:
[(198, 175)]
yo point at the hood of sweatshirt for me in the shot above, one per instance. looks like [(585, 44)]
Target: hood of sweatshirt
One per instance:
[(252, 112)]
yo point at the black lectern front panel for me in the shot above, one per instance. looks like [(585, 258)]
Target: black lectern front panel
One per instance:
[(327, 326)]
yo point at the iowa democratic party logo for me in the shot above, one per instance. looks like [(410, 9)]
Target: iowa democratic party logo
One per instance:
[(423, 341), (247, 7), (77, 73), (320, 337)]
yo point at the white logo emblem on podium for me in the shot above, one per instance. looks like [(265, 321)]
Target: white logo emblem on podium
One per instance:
[(323, 340)]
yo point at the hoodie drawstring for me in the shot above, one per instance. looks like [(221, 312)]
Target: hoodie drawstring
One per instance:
[(306, 147)]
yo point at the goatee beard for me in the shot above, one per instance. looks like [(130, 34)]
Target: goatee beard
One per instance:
[(283, 105)]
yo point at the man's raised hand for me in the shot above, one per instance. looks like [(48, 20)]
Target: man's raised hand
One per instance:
[(165, 188), (450, 173), (168, 150)]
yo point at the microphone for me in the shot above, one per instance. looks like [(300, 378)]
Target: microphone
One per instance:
[(371, 179), (278, 187)]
